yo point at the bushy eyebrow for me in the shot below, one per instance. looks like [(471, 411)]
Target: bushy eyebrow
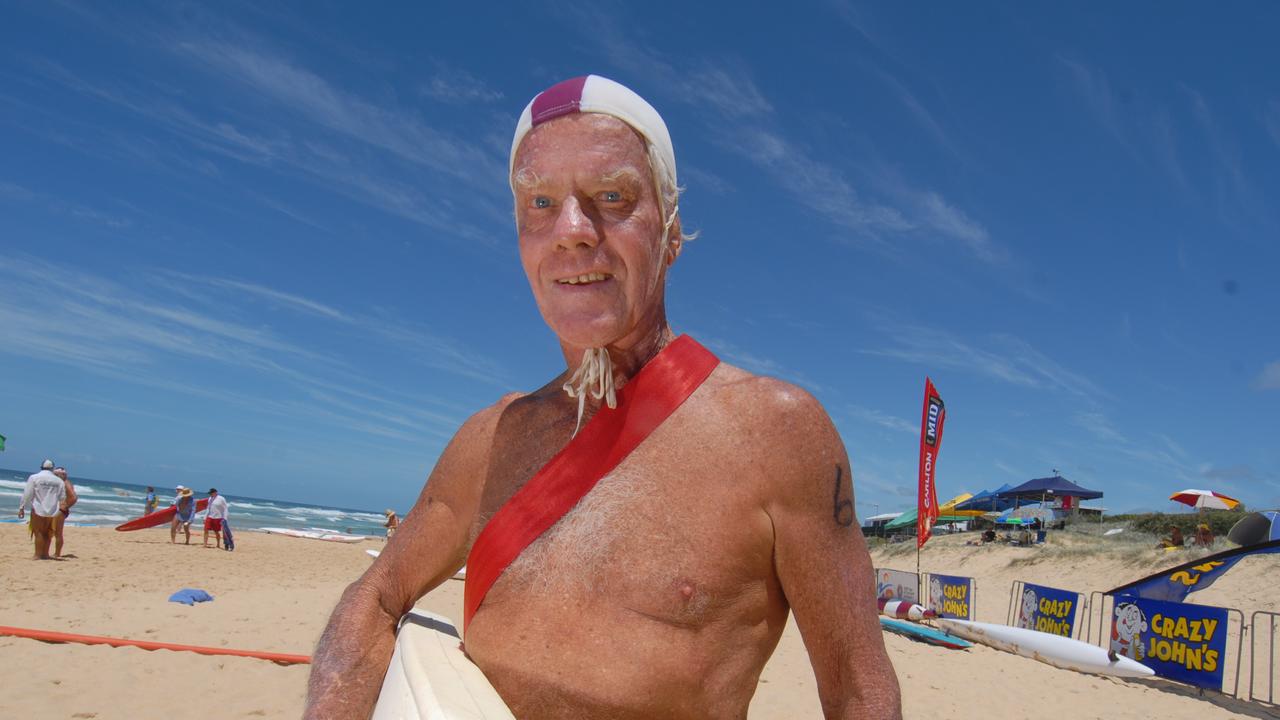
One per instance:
[(527, 180), (622, 175)]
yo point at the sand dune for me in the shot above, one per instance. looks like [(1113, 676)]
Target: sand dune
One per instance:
[(275, 593)]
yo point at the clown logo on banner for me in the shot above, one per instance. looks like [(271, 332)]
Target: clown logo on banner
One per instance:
[(1048, 610), (1128, 624)]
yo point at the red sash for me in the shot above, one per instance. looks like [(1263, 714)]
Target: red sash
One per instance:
[(660, 387)]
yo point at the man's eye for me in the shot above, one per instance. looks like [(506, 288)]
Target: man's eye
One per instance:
[(542, 201), (612, 196)]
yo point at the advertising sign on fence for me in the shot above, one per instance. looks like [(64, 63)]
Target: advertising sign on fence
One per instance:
[(897, 585), (1048, 610), (1180, 641), (951, 596)]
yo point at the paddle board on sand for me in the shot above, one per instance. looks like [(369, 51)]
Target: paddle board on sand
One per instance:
[(1058, 651), (430, 677), (460, 575), (159, 517), (923, 633), (315, 535)]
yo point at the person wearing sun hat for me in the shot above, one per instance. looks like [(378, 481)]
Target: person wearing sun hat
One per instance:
[(185, 512), (637, 530), (392, 522)]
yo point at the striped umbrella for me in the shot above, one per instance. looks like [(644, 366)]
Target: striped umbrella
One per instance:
[(1201, 499)]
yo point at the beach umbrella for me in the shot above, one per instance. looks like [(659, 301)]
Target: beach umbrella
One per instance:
[(1202, 499), (1256, 527)]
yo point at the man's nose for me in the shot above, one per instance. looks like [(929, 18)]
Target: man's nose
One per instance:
[(575, 226)]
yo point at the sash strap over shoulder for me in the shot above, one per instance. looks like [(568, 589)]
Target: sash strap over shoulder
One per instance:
[(661, 386)]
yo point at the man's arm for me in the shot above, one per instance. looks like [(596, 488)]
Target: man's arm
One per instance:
[(822, 561), (28, 491), (428, 547)]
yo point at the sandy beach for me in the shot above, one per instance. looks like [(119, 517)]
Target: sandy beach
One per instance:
[(274, 593)]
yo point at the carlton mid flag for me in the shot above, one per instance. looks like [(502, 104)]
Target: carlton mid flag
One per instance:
[(930, 441)]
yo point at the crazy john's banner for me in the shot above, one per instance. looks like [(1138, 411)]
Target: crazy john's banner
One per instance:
[(1175, 583), (930, 441), (951, 596), (1180, 641), (1048, 610)]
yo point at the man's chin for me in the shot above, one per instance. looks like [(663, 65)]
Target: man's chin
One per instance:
[(588, 333)]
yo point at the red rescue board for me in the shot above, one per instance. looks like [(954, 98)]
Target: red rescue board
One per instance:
[(159, 517)]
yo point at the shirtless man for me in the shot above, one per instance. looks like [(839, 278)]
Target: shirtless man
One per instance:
[(64, 510), (664, 591)]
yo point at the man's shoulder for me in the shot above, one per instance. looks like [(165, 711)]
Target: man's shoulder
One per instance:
[(763, 399), (486, 419)]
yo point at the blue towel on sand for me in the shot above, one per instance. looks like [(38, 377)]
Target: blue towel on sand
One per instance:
[(190, 596)]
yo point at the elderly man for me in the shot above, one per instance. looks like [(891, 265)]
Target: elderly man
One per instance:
[(44, 494), (637, 529)]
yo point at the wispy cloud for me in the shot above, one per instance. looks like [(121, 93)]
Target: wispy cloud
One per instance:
[(885, 420), (17, 193), (1269, 378), (309, 96), (416, 159), (1271, 121), (456, 86), (1094, 88), (1005, 358), (1234, 194), (147, 334)]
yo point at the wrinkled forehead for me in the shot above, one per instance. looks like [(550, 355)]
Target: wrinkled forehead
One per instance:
[(569, 146)]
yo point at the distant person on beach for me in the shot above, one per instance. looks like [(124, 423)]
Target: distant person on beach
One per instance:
[(1175, 538), (393, 522), (691, 506), (213, 516), (43, 495), (1204, 536), (64, 510), (185, 505), (151, 502)]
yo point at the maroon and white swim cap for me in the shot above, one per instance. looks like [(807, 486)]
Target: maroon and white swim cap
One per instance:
[(595, 94)]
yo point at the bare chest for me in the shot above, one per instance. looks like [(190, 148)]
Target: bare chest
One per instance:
[(673, 535)]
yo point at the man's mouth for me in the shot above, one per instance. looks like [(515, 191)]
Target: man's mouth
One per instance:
[(584, 279)]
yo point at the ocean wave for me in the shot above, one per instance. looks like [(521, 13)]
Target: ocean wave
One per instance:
[(19, 484), (90, 517), (245, 505)]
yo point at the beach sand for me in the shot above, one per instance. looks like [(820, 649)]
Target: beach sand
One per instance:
[(275, 593)]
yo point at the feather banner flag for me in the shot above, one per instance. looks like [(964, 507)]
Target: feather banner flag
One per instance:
[(934, 415)]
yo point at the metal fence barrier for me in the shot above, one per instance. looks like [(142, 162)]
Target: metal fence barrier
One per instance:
[(1258, 637)]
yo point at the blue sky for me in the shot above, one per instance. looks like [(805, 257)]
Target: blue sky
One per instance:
[(271, 250)]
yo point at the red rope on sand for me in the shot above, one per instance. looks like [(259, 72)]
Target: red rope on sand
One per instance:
[(59, 637)]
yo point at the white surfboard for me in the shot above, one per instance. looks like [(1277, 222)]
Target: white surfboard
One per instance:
[(1058, 651), (430, 677), (315, 535)]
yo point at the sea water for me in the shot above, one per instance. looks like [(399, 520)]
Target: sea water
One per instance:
[(111, 503)]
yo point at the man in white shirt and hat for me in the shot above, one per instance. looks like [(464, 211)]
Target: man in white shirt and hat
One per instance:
[(44, 494)]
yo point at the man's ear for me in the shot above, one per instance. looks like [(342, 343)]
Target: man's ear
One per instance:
[(675, 242)]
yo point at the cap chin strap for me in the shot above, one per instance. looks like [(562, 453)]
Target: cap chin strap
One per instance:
[(594, 376)]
